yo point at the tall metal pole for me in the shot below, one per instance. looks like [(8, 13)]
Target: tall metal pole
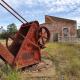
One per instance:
[(11, 13), (14, 10)]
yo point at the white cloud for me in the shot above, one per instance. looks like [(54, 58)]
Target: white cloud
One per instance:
[(78, 20), (36, 9), (52, 5)]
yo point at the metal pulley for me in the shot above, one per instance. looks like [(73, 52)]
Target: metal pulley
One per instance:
[(43, 36)]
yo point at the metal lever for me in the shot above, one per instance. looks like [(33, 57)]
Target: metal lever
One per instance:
[(13, 11)]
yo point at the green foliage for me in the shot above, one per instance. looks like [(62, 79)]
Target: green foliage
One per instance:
[(7, 73), (3, 35), (13, 75), (12, 28)]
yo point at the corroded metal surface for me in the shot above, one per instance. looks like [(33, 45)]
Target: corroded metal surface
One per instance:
[(6, 55), (29, 52), (25, 47)]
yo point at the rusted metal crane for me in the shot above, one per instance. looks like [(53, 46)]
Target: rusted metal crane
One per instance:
[(27, 43)]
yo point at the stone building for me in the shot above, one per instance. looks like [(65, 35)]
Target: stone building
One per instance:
[(60, 27)]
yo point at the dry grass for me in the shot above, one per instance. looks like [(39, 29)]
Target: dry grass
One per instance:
[(65, 58), (3, 42)]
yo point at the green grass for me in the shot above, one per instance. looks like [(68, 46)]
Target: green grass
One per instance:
[(7, 73), (66, 58)]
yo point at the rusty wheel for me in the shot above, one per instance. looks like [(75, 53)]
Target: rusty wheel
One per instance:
[(43, 36)]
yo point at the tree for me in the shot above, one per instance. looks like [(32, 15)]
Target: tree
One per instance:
[(3, 33), (11, 28)]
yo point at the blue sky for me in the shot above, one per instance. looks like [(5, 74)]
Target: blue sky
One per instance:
[(37, 9)]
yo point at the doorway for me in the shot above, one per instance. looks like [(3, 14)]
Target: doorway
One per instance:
[(65, 32)]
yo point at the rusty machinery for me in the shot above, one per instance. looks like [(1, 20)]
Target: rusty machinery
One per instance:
[(26, 45)]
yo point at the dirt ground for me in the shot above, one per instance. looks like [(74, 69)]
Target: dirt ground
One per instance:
[(46, 73)]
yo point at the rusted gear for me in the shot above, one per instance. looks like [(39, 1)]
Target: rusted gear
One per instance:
[(43, 36)]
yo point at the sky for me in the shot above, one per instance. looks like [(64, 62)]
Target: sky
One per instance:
[(37, 9)]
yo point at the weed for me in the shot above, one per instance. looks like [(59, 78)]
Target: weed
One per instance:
[(66, 58)]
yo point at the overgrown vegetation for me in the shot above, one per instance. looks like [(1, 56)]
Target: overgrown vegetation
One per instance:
[(7, 73), (66, 58)]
